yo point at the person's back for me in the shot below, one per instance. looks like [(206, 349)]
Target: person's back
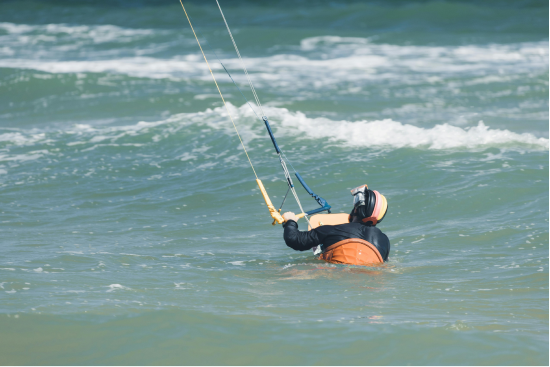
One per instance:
[(370, 208), (329, 235)]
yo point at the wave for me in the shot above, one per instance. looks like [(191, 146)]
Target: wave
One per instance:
[(392, 134), (141, 67), (297, 126), (316, 62), (58, 42), (96, 33)]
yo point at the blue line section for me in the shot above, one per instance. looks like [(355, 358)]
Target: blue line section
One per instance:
[(318, 210), (271, 135), (305, 185), (320, 200)]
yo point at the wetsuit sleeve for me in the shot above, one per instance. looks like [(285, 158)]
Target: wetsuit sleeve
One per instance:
[(297, 240)]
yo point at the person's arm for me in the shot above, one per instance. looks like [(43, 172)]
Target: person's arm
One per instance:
[(299, 241)]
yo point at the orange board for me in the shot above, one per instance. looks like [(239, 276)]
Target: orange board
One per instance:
[(318, 220)]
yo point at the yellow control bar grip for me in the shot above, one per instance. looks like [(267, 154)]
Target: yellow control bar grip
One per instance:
[(298, 216), (274, 213)]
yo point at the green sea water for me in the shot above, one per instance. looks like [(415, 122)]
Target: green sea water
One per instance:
[(132, 230)]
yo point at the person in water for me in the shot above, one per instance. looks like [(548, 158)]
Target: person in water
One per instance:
[(369, 208)]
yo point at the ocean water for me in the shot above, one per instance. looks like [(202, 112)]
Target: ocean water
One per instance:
[(132, 230)]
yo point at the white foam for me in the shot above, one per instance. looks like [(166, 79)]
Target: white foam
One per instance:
[(17, 138), (122, 253), (114, 287), (19, 157), (186, 156), (144, 67), (16, 28), (372, 134), (312, 43), (237, 263), (95, 33), (317, 62), (386, 133)]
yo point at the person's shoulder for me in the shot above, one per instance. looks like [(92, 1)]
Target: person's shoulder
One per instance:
[(348, 226), (373, 229), (329, 228), (377, 232), (345, 225)]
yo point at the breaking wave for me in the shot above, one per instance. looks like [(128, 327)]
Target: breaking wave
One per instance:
[(376, 134), (392, 134)]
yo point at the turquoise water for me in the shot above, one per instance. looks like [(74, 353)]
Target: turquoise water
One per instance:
[(132, 229)]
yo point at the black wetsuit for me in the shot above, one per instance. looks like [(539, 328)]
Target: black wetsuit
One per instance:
[(329, 235)]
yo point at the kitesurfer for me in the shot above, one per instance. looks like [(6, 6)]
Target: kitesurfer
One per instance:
[(349, 241)]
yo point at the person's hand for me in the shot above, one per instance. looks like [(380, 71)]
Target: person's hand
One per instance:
[(290, 216)]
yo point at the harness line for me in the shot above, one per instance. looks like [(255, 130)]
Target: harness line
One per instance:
[(221, 95), (242, 62), (281, 159), (274, 213), (241, 92), (230, 77), (264, 118)]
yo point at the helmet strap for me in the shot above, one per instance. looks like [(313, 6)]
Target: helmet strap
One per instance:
[(370, 219)]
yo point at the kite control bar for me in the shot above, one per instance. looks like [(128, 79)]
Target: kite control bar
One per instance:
[(322, 202)]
